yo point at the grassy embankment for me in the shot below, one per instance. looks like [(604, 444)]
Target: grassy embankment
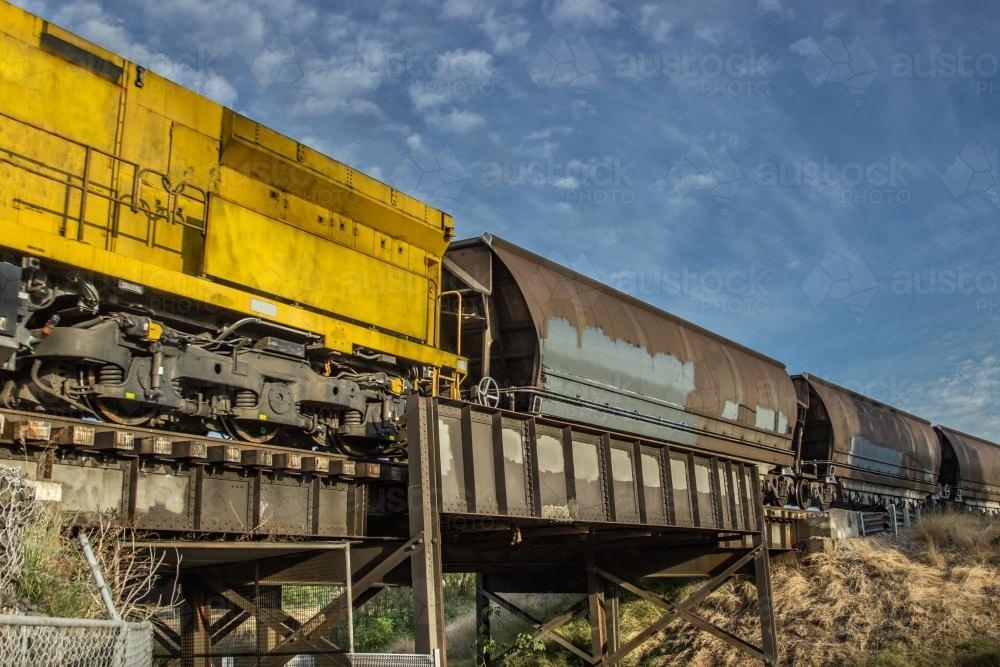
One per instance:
[(930, 597)]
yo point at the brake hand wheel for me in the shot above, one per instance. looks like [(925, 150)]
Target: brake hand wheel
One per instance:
[(488, 392)]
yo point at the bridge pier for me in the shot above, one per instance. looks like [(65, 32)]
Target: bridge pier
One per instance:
[(426, 571), (196, 641)]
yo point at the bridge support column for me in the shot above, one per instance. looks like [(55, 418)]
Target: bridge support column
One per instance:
[(597, 602), (196, 640), (426, 571), (484, 632)]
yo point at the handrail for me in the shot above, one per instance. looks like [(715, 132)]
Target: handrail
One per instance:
[(173, 191), (456, 379)]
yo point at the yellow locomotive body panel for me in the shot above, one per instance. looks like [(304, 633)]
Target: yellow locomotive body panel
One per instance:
[(115, 170)]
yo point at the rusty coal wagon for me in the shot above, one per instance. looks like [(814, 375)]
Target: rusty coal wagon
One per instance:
[(876, 452), (970, 469), (545, 340)]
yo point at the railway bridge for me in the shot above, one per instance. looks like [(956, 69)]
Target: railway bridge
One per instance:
[(528, 504)]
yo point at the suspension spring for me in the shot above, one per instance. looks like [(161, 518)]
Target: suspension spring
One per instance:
[(245, 398), (110, 374), (352, 418)]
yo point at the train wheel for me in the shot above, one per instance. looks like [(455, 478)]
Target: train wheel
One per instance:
[(361, 448), (319, 439), (125, 413), (257, 432), (803, 494)]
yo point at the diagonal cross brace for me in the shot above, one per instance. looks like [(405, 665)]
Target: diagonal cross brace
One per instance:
[(231, 620), (166, 635), (337, 610), (683, 611), (547, 629), (276, 619)]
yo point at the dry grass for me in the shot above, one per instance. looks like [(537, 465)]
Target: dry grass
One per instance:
[(56, 579), (966, 536), (883, 601), (929, 598)]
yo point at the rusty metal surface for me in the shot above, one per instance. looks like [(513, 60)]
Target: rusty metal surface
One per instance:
[(493, 463), (178, 483), (874, 447), (665, 377), (977, 473)]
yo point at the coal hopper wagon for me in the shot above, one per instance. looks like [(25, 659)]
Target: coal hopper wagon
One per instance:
[(542, 339), (878, 454), (970, 470)]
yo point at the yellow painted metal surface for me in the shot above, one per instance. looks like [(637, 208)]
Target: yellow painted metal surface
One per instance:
[(270, 257), (157, 185), (338, 335)]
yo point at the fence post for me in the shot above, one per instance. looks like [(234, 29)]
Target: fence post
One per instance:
[(102, 586)]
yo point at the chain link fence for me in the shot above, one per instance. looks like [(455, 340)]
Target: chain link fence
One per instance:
[(44, 641), (28, 639), (17, 509)]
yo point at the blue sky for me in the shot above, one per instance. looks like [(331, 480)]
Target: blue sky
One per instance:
[(815, 180)]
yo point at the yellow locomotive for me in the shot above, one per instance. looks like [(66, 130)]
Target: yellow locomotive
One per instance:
[(166, 261)]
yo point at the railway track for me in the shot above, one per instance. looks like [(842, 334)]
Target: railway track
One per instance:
[(181, 483), (58, 435)]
